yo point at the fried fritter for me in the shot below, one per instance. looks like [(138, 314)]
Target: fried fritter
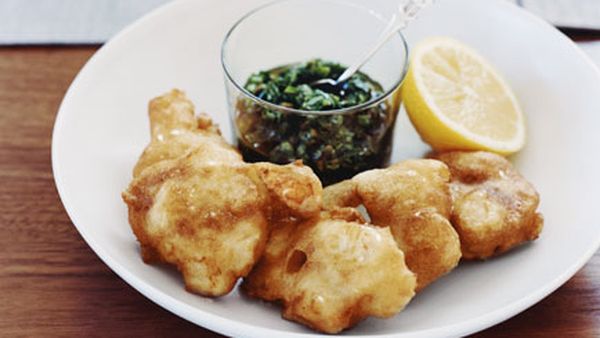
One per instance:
[(332, 271), (195, 204), (175, 131), (413, 199), (494, 206)]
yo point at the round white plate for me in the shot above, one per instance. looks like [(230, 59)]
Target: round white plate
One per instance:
[(102, 127)]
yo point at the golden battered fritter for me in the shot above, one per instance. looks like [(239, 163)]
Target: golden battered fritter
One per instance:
[(413, 199), (494, 206), (332, 271), (195, 204), (175, 131)]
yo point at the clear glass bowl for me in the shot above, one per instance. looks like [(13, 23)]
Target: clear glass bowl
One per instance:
[(337, 144)]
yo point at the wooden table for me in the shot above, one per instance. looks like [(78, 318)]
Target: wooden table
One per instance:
[(51, 283)]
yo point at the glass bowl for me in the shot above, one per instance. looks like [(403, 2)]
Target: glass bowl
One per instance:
[(337, 143)]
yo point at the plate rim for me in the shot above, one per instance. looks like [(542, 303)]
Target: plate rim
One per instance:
[(227, 326)]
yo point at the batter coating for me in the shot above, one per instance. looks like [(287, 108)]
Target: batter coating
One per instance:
[(412, 198), (195, 204), (494, 206), (332, 271)]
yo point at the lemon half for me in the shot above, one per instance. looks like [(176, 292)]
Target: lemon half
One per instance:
[(457, 101)]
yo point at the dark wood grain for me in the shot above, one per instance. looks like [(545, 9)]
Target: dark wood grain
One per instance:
[(52, 284)]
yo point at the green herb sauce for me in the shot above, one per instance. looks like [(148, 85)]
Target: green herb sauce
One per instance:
[(335, 146)]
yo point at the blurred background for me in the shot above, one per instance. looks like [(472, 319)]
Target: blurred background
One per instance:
[(95, 21)]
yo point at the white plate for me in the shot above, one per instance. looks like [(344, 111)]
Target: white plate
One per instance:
[(102, 127)]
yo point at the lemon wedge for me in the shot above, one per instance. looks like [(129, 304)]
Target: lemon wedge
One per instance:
[(457, 101)]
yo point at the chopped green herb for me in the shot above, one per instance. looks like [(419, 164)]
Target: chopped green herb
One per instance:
[(335, 146)]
